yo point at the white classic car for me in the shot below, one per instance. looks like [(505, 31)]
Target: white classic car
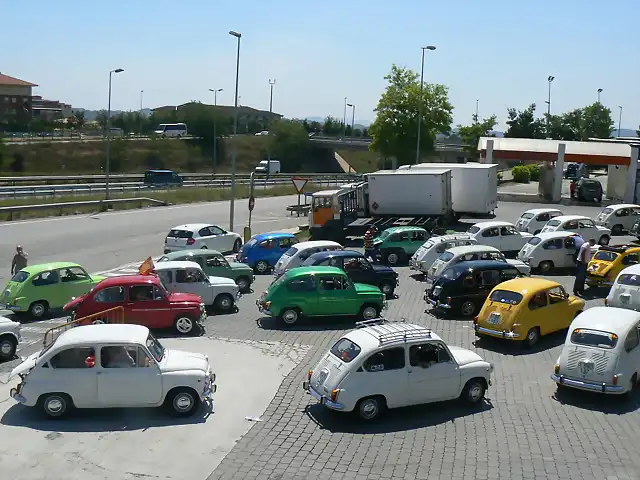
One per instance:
[(112, 365), (388, 365), (188, 277), (625, 291), (9, 338), (580, 224), (502, 235), (601, 352)]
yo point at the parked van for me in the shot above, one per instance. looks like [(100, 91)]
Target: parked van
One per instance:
[(618, 218), (533, 220), (161, 178), (297, 254), (625, 292), (268, 166), (549, 250), (435, 246), (165, 130)]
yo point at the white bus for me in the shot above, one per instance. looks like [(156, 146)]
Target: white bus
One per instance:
[(171, 130)]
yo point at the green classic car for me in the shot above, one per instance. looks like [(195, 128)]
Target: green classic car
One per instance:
[(38, 289), (320, 292), (398, 244), (215, 264)]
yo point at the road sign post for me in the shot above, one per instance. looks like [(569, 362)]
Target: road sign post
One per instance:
[(299, 184), (252, 203)]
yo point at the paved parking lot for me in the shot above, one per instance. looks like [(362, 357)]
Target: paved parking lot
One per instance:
[(523, 430)]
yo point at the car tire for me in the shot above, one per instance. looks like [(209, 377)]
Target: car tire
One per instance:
[(604, 240), (369, 312), (98, 321), (617, 230), (237, 245), (182, 402), (290, 316), (224, 303), (371, 408), (184, 325), (392, 258), (55, 405), (387, 287), (545, 266), (38, 309), (243, 283), (204, 247), (533, 336), (8, 347), (261, 267), (474, 390), (467, 309)]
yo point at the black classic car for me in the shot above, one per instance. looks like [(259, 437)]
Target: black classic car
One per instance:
[(463, 288), (358, 268)]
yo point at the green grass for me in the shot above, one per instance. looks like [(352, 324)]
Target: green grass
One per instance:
[(173, 197), (361, 161)]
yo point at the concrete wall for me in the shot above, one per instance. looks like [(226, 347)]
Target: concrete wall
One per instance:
[(617, 182)]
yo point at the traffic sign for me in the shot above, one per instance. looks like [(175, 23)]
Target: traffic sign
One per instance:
[(252, 203), (299, 183)]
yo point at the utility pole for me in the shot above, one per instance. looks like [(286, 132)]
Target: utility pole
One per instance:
[(140, 115), (271, 84), (420, 101), (234, 150), (599, 92), (620, 122), (107, 166), (477, 106), (548, 102), (344, 119)]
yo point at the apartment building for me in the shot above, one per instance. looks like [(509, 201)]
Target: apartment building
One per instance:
[(15, 99)]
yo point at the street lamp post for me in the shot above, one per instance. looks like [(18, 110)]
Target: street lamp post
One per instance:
[(140, 115), (215, 123), (477, 108), (107, 166), (271, 84), (235, 132), (420, 101), (599, 92), (620, 121), (353, 116), (344, 119), (548, 102)]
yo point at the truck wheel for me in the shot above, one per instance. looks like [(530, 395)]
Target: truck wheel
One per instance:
[(8, 346), (182, 402), (223, 303), (261, 266), (474, 391)]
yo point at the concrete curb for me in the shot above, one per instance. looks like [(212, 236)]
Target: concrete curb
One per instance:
[(535, 198)]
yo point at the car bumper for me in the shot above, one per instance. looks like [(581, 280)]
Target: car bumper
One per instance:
[(436, 303), (262, 309), (323, 400), (496, 333), (16, 396), (13, 308), (594, 281), (592, 387)]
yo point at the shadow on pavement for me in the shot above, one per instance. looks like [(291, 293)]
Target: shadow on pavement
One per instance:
[(308, 324), (599, 402), (517, 348)]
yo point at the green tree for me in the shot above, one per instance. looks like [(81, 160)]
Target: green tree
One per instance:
[(596, 122), (524, 124), (470, 134), (565, 126), (395, 128), (638, 131), (289, 143), (78, 120), (101, 119), (332, 126)]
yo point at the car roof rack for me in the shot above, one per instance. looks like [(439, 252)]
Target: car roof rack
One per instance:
[(384, 331)]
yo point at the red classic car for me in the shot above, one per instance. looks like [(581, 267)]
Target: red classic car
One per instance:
[(144, 300)]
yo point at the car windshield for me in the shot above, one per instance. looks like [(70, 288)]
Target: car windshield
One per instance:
[(527, 215), (452, 273), (553, 223), (605, 256), (163, 258), (473, 229), (20, 277), (607, 211), (155, 347), (291, 252), (345, 350), (505, 296), (384, 234), (445, 257), (250, 243), (594, 338), (534, 240), (628, 279)]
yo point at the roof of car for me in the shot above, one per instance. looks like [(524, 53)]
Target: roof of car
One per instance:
[(43, 267), (483, 264), (555, 234), (451, 236), (336, 253), (313, 270), (389, 333), (403, 229), (631, 270), (192, 227), (563, 218), (267, 236), (175, 264), (192, 252), (106, 333), (492, 223), (536, 211), (127, 280), (607, 319), (317, 243), (472, 248), (622, 205), (527, 285)]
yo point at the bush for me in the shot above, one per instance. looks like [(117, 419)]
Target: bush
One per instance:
[(17, 166), (534, 172), (521, 174)]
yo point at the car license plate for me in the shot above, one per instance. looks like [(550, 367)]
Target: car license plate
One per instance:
[(494, 318)]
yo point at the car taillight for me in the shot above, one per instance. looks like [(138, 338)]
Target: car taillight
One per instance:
[(475, 320), (615, 380), (556, 369), (334, 395), (448, 300), (309, 374), (190, 241)]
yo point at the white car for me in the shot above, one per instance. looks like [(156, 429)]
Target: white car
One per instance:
[(501, 235), (112, 366), (391, 365), (533, 220), (550, 250), (580, 224), (296, 255), (625, 291), (9, 338), (435, 246), (202, 235), (619, 218), (601, 352), (188, 277)]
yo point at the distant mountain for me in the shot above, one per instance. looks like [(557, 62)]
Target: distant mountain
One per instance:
[(357, 124), (624, 132)]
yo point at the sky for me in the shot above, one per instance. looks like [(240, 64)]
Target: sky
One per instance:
[(498, 52)]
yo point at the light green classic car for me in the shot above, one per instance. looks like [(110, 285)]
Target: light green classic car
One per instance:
[(38, 289)]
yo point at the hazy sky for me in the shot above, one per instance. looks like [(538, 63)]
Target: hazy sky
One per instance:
[(500, 52)]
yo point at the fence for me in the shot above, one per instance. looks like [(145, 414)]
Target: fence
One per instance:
[(112, 315)]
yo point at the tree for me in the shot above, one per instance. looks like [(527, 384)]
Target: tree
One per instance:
[(596, 122), (289, 143), (78, 119), (395, 129), (524, 124), (638, 131), (470, 134), (101, 119), (333, 126)]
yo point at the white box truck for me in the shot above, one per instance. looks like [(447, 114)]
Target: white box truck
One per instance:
[(410, 193), (474, 186), (268, 166)]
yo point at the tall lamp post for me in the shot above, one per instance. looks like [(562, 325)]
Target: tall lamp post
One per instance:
[(620, 121), (599, 92), (344, 119), (353, 116), (477, 108), (140, 115), (548, 102), (215, 123), (272, 82), (420, 101), (107, 166), (235, 132)]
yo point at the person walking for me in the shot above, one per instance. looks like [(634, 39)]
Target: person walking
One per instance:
[(584, 256), (19, 260), (369, 250)]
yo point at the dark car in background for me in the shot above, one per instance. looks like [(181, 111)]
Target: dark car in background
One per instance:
[(463, 288), (162, 178), (588, 190), (358, 268)]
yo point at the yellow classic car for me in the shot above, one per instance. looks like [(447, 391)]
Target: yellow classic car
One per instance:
[(608, 262), (523, 309)]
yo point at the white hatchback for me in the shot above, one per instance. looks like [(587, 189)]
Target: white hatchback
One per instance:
[(619, 218), (296, 255), (9, 338), (581, 225), (502, 235), (625, 291), (533, 220), (202, 235), (430, 250)]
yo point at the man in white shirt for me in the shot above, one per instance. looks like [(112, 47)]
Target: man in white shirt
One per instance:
[(584, 256)]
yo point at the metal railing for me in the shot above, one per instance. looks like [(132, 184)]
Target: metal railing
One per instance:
[(112, 315)]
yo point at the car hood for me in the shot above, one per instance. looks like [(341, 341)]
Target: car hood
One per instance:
[(221, 281), (184, 297), (179, 361), (74, 302), (383, 269), (7, 322), (26, 365), (97, 278), (520, 265), (526, 235), (464, 356), (364, 288), (378, 241), (240, 266)]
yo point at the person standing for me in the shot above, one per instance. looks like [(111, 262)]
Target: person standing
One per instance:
[(369, 250), (584, 256), (19, 260), (578, 241)]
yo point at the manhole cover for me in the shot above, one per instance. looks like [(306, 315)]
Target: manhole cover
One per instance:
[(374, 205)]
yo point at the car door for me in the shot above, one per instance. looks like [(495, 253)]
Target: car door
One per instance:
[(486, 280), (206, 238), (567, 254), (555, 315), (538, 222), (74, 282), (147, 305), (268, 250), (571, 226), (633, 218), (632, 352), (334, 296), (490, 236), (285, 243), (416, 239), (128, 376), (588, 230), (109, 298), (216, 266), (73, 371), (355, 270), (384, 373), (433, 373), (47, 287), (302, 292), (221, 238), (510, 239)]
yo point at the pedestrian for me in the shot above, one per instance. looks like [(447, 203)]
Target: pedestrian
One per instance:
[(572, 188), (584, 256), (19, 260), (578, 241), (369, 251)]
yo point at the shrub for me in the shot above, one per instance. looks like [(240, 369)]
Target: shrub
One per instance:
[(521, 174), (534, 172)]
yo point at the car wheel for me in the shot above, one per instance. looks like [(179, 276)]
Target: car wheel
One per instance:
[(616, 230), (369, 312), (387, 288), (290, 316), (8, 346), (182, 402), (38, 309), (98, 321), (237, 245), (546, 266), (604, 240), (261, 266), (467, 309), (474, 391), (533, 336), (204, 247), (392, 258), (243, 283), (55, 405), (224, 303), (369, 409), (184, 325)]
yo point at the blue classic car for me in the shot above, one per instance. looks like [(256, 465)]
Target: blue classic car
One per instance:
[(358, 268), (263, 251)]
